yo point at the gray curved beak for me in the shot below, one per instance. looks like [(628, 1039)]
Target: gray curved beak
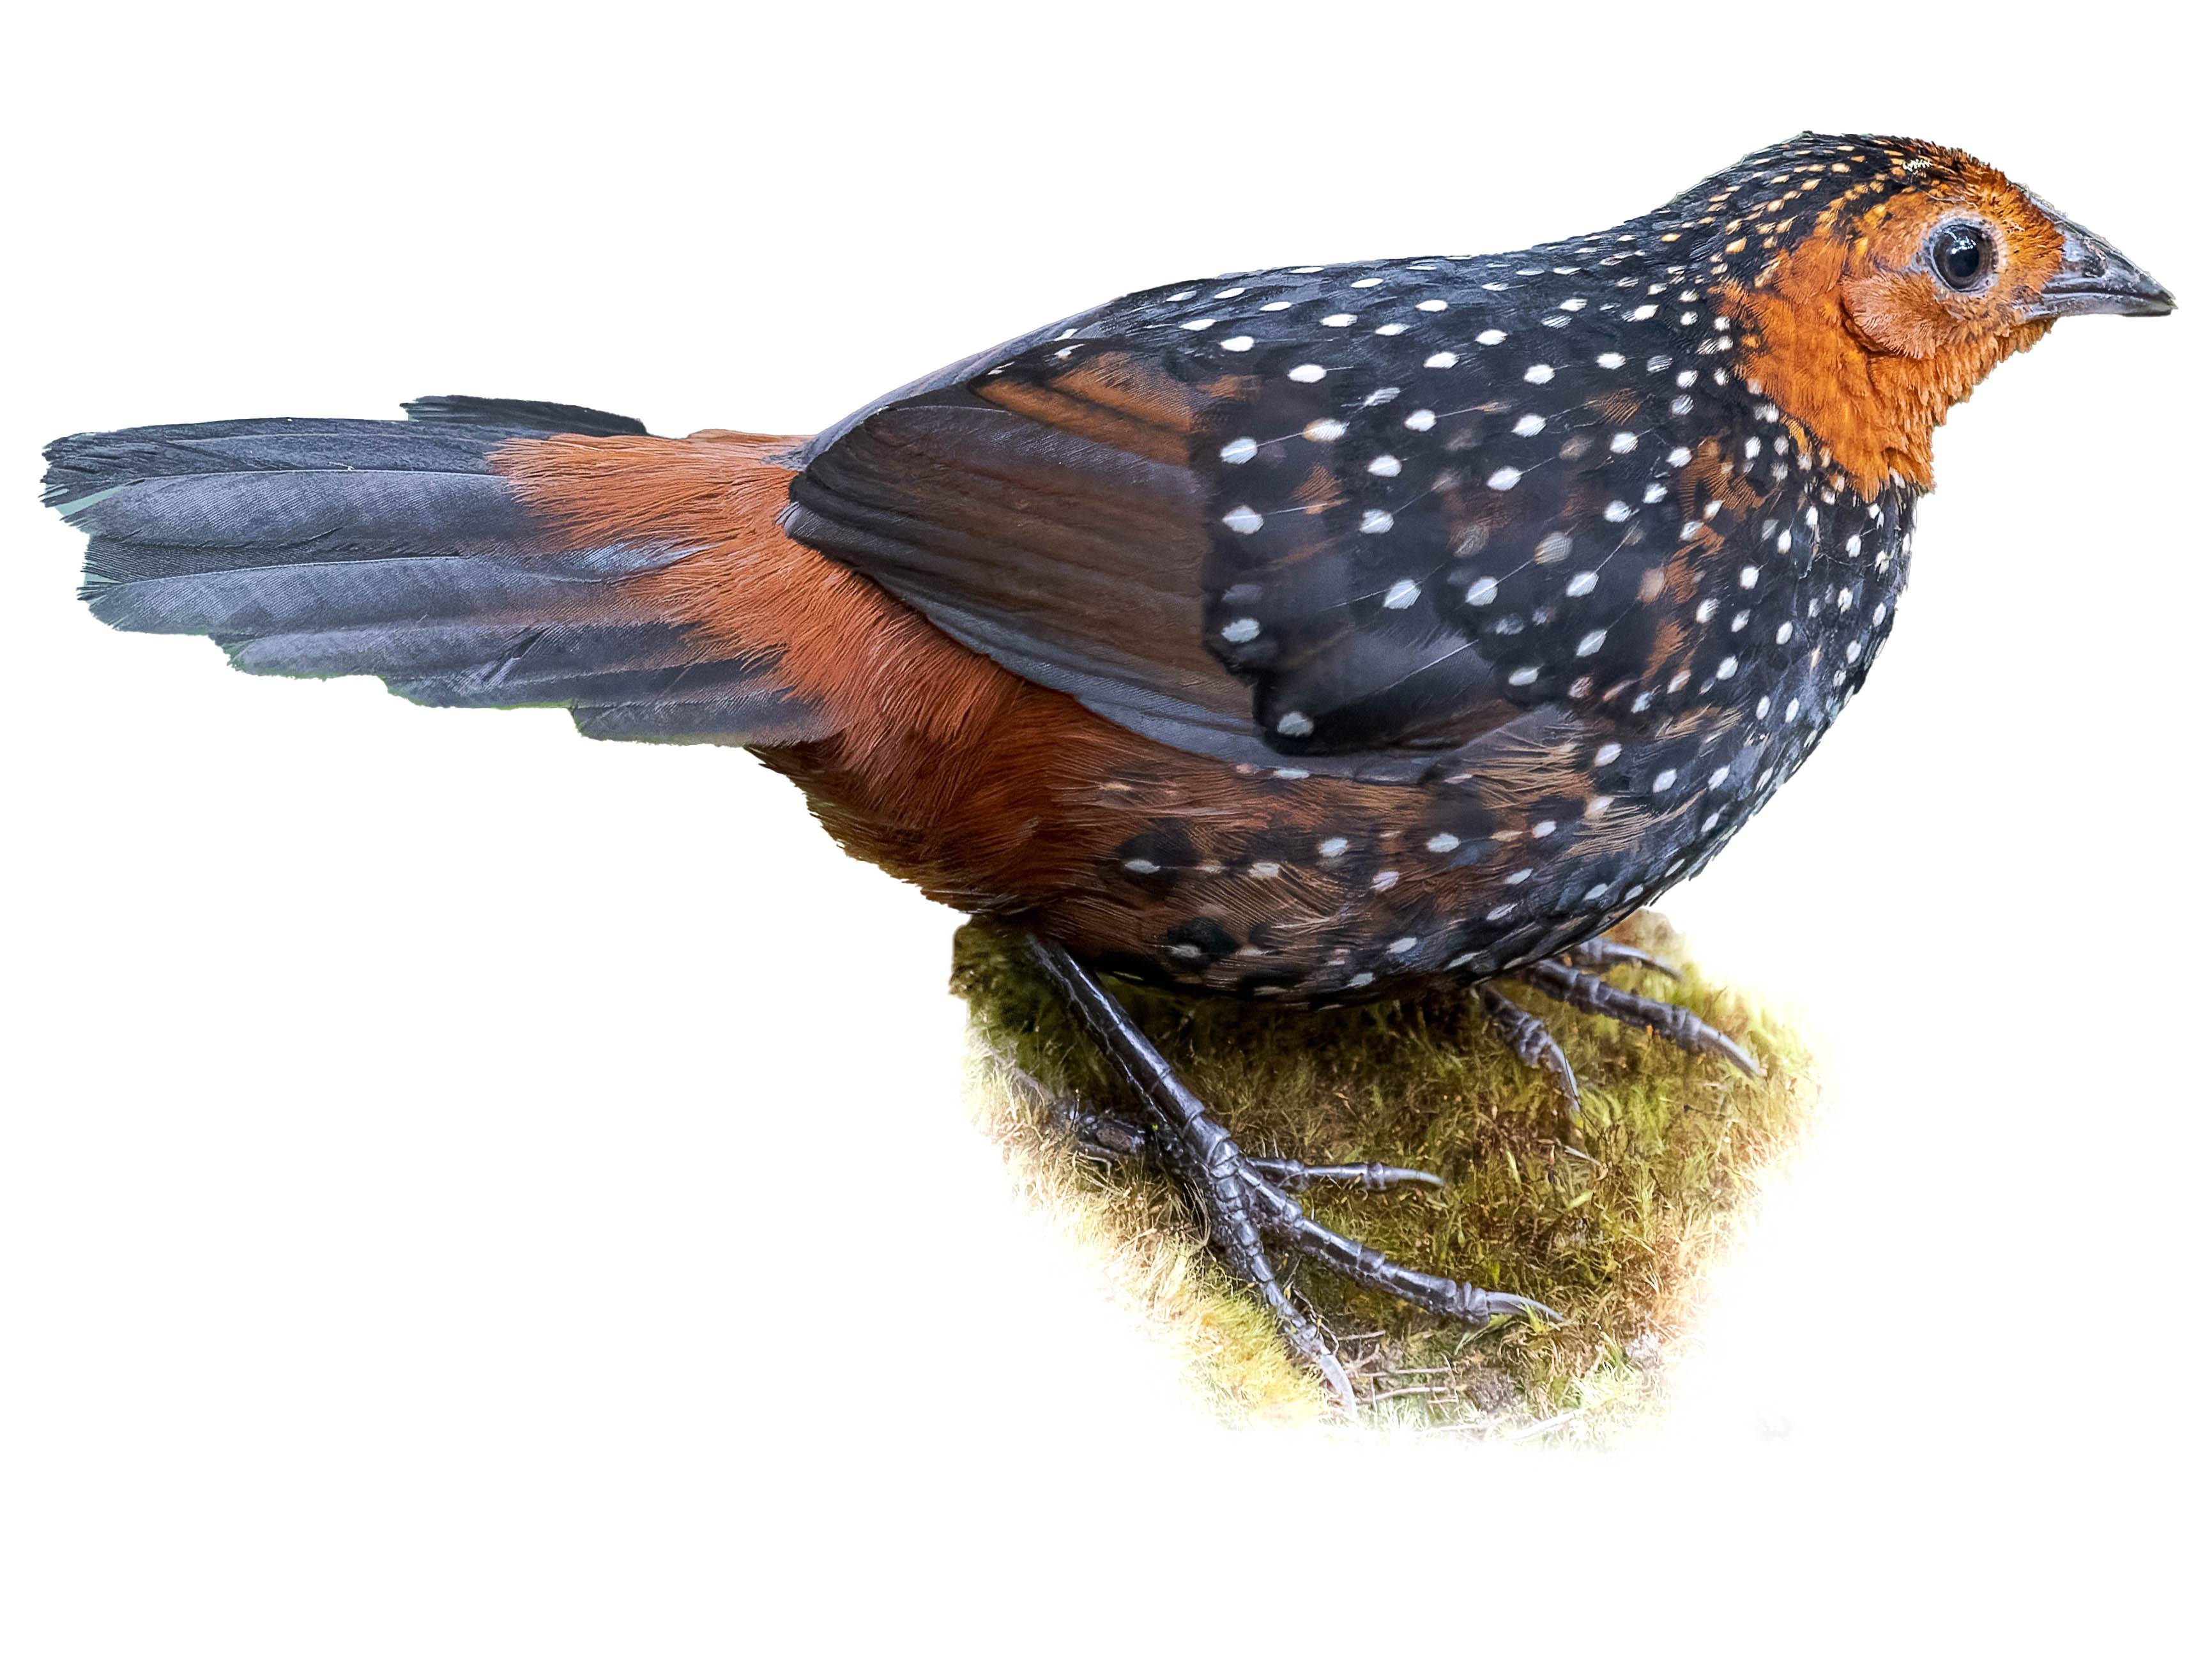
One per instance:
[(2094, 280)]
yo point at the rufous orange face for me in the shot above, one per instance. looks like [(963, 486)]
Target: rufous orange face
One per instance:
[(1871, 319), (1959, 263)]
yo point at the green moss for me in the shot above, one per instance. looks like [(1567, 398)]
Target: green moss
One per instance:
[(1615, 1235)]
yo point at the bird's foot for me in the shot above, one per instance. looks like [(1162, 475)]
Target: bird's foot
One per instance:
[(1531, 1043), (1118, 1139), (1573, 979), (1592, 995), (1246, 1200)]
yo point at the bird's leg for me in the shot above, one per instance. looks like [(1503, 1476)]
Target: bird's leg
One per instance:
[(1677, 1025), (1206, 1158), (1242, 1206)]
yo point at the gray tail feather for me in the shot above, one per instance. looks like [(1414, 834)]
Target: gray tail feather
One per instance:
[(394, 548)]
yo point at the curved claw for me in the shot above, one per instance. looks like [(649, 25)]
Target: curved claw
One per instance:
[(1712, 1042), (1686, 1030), (1507, 1306), (1306, 1341), (1533, 1044), (1602, 955), (1476, 1306)]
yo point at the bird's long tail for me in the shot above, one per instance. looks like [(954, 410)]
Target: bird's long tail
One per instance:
[(483, 553)]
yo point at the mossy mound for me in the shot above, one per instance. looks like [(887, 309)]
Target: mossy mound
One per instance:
[(1615, 1235)]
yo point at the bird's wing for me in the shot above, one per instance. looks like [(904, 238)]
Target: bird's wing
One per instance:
[(1356, 521)]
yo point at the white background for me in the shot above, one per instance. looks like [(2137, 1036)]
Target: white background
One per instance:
[(468, 1190)]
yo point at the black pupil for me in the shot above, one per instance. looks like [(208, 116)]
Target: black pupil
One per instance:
[(1960, 252)]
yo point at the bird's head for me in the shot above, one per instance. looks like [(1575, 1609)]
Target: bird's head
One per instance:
[(1876, 281)]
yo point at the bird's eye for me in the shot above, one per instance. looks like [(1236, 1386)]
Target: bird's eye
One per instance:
[(1961, 253)]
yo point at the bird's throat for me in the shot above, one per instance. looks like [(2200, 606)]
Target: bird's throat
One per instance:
[(1873, 410)]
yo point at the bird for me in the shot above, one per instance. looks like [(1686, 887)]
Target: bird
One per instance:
[(1316, 635)]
